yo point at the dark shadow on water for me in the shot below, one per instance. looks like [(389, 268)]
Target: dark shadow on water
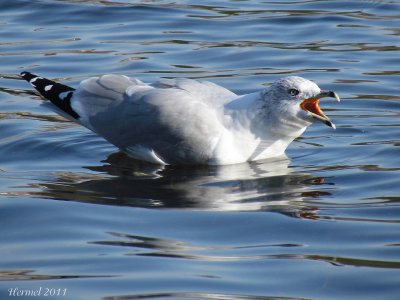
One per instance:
[(20, 275), (197, 295), (260, 186)]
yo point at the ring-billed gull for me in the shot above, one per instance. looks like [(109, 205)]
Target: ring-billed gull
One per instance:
[(185, 121)]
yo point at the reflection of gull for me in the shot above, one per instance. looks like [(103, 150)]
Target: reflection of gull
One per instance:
[(243, 186), (264, 185), (184, 121)]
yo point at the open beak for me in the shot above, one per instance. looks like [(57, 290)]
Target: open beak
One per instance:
[(311, 106)]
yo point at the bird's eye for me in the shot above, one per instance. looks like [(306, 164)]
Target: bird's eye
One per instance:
[(293, 92)]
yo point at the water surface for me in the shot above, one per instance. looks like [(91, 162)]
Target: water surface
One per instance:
[(81, 218)]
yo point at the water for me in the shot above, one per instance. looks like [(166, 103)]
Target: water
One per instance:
[(79, 220)]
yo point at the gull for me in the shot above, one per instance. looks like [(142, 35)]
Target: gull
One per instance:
[(185, 121)]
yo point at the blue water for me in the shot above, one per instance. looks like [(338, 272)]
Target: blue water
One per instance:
[(79, 220)]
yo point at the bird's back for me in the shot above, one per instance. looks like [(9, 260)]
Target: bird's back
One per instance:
[(170, 121)]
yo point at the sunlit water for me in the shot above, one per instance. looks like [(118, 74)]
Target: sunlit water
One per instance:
[(79, 220)]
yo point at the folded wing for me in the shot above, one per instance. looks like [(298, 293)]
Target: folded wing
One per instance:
[(170, 121)]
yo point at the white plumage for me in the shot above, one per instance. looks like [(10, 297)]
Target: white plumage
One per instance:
[(184, 121)]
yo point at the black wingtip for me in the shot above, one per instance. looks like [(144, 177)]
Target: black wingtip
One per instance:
[(59, 94)]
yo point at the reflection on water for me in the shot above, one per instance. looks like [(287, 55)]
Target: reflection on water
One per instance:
[(268, 185), (77, 214)]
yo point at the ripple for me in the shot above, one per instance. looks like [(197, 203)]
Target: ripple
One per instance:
[(198, 295), (22, 275), (76, 211)]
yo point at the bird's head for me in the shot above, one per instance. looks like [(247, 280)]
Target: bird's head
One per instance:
[(296, 101)]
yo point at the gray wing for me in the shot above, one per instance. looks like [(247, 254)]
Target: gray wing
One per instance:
[(205, 91), (170, 121)]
